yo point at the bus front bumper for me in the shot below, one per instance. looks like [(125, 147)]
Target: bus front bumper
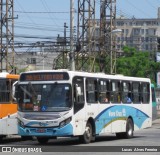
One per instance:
[(67, 130)]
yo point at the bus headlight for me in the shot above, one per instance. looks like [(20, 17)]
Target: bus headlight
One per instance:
[(65, 122)]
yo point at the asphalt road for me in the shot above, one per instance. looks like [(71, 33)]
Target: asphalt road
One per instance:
[(143, 141)]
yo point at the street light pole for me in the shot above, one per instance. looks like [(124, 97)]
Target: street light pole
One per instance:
[(72, 62), (113, 55)]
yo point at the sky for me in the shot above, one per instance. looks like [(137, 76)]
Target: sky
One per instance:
[(45, 18)]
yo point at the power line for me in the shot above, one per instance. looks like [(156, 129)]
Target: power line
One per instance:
[(120, 12), (140, 10), (43, 12), (48, 10), (24, 11), (39, 28), (38, 25), (150, 4), (34, 36)]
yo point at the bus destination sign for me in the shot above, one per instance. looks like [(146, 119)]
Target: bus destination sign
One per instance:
[(44, 76)]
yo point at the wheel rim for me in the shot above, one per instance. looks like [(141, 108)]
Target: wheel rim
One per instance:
[(88, 132), (130, 130)]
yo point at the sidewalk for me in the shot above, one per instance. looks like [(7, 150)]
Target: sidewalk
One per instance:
[(157, 121)]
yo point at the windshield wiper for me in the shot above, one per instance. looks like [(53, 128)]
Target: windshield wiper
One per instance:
[(32, 88), (27, 92)]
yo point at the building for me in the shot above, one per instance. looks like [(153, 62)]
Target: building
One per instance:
[(142, 34), (35, 60), (27, 61), (36, 56)]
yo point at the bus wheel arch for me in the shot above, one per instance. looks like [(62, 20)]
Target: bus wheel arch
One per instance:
[(91, 120), (89, 134)]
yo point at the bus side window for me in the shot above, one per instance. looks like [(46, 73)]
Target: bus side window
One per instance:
[(126, 92), (145, 93), (136, 92), (5, 91), (104, 94), (115, 92), (91, 90)]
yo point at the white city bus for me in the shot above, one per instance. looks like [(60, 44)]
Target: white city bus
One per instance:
[(61, 103)]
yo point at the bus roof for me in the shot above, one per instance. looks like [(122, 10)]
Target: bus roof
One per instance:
[(87, 74), (8, 76)]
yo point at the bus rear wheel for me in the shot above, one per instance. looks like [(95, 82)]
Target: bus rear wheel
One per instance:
[(87, 136), (42, 140), (129, 129)]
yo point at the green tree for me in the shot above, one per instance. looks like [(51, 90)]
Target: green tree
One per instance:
[(137, 64)]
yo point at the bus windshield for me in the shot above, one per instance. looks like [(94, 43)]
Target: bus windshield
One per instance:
[(44, 97)]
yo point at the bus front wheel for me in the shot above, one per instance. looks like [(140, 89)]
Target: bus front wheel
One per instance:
[(87, 136)]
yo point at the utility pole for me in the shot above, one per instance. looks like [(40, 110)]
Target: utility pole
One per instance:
[(65, 61), (72, 55), (107, 25), (85, 32), (7, 35), (65, 40)]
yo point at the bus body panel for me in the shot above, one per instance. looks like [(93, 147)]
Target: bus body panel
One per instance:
[(106, 121), (8, 125), (12, 76), (7, 109), (114, 117)]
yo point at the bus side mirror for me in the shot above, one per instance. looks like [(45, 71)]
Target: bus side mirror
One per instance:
[(14, 90)]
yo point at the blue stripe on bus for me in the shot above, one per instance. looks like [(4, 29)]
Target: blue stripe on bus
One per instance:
[(119, 112)]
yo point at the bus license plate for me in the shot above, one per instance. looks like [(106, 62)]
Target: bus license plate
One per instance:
[(41, 130)]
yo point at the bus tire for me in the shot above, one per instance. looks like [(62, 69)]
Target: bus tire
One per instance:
[(87, 136), (129, 129), (42, 140)]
